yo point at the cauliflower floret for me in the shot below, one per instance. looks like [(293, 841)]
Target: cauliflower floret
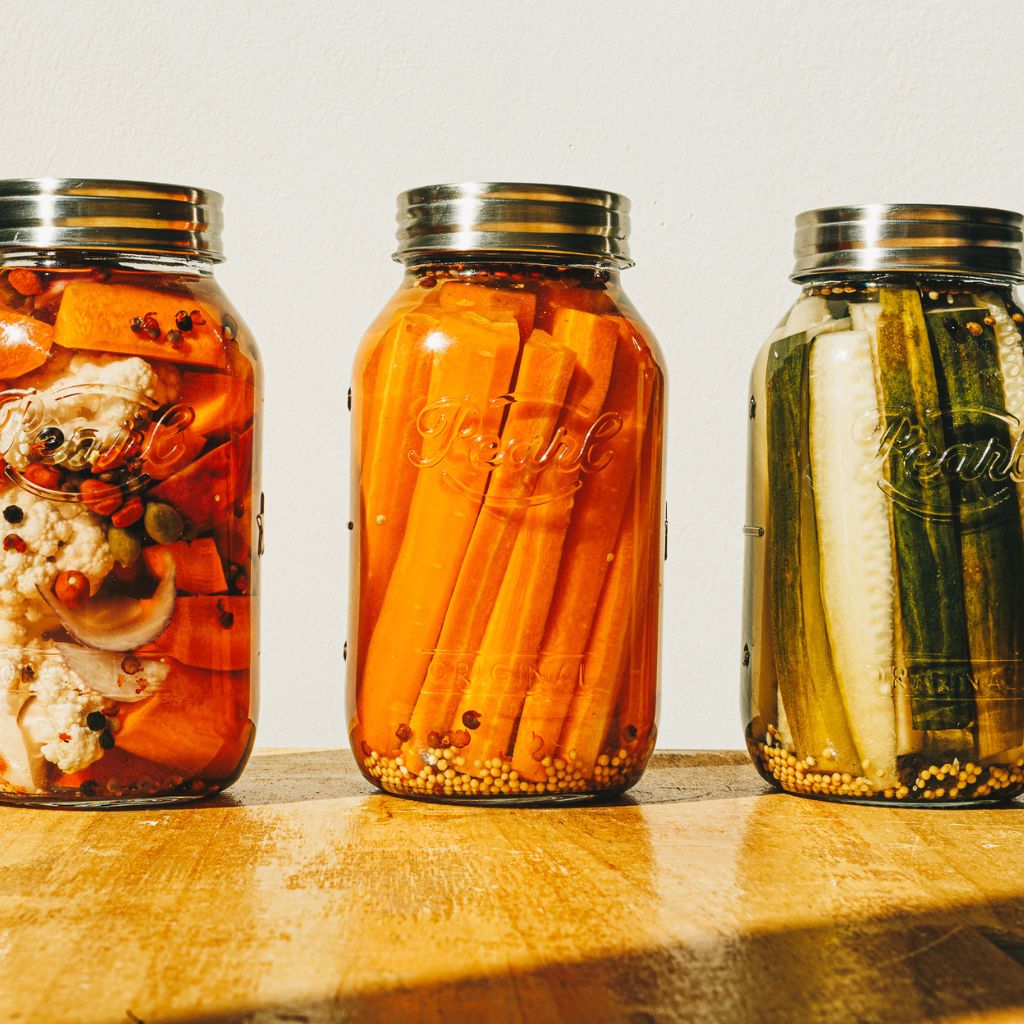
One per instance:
[(67, 741), (113, 390), (57, 537)]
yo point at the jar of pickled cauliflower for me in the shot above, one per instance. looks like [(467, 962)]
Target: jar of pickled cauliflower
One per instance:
[(883, 645), (129, 495), (507, 413)]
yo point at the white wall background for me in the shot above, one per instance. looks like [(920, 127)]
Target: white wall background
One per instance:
[(720, 119)]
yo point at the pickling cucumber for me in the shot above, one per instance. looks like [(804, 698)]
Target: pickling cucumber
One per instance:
[(978, 445), (857, 583), (803, 662), (930, 621)]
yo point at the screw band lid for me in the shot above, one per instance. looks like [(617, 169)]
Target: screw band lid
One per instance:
[(493, 217), (124, 216), (913, 237)]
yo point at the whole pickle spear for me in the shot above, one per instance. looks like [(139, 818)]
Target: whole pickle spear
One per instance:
[(930, 623), (978, 448), (803, 662)]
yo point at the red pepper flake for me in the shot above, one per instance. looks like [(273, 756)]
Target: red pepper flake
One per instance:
[(471, 719), (12, 542), (197, 318), (460, 738), (102, 498), (64, 737)]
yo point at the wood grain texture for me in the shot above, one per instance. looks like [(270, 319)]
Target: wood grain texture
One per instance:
[(303, 896)]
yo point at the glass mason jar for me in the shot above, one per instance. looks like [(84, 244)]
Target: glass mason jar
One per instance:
[(129, 491), (884, 623), (507, 504)]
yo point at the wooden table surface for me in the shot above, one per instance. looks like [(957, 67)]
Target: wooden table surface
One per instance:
[(303, 896)]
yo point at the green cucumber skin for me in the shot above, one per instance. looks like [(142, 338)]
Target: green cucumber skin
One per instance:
[(931, 617), (992, 549), (803, 667)]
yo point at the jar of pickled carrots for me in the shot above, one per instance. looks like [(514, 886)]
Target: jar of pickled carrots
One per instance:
[(507, 414), (129, 484), (883, 645)]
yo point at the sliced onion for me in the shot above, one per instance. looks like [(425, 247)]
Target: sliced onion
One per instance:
[(21, 747), (102, 673), (117, 623)]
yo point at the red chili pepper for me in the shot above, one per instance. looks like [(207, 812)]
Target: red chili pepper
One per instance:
[(26, 282), (103, 499), (12, 542), (130, 512), (72, 588), (43, 476)]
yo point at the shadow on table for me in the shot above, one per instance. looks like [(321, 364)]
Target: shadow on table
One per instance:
[(292, 776), (964, 961)]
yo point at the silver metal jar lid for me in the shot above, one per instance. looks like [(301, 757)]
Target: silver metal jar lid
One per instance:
[(913, 237), (477, 217), (123, 216)]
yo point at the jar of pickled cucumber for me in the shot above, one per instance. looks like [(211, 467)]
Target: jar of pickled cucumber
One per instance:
[(507, 412), (129, 494), (883, 641)]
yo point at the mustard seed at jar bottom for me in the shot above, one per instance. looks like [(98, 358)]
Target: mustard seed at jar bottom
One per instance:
[(883, 637), (508, 438)]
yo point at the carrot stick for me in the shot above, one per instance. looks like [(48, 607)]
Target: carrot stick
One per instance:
[(493, 303), (592, 537), (503, 667), (614, 669), (545, 370), (388, 474), (474, 363)]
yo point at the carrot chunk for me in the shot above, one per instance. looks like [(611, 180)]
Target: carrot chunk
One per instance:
[(197, 565), (187, 722), (221, 403), (99, 317), (24, 344), (207, 632), (207, 490)]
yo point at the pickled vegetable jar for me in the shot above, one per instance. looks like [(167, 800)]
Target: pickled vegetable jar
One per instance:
[(129, 426), (883, 645), (507, 420)]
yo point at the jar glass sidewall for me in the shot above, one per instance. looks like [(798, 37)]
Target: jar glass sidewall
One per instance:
[(131, 500), (469, 514), (883, 628)]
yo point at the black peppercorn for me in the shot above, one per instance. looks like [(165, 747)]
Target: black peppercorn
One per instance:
[(97, 721), (13, 514), (107, 740), (51, 438)]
